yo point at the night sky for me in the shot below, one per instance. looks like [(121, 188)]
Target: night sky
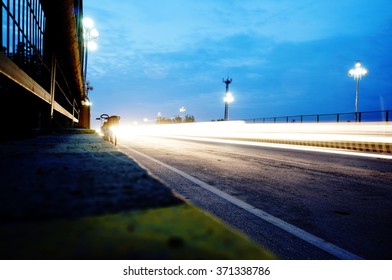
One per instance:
[(284, 57)]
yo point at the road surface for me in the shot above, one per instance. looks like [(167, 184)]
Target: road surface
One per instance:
[(299, 204)]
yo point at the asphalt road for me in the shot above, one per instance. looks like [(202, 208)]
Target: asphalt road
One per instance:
[(299, 204)]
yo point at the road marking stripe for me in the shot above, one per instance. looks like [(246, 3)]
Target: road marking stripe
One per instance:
[(308, 237)]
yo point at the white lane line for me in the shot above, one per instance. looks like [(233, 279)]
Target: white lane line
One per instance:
[(308, 237)]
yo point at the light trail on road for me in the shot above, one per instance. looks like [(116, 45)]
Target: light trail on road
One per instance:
[(324, 137), (289, 147), (356, 132)]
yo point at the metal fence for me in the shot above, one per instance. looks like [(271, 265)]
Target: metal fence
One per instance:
[(22, 40), (22, 35), (369, 116)]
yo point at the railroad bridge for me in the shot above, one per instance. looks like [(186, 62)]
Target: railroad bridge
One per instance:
[(42, 51)]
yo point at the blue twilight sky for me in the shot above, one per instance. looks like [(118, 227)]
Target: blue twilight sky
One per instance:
[(285, 57)]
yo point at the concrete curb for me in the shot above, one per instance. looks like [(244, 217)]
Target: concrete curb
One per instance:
[(75, 196), (176, 232)]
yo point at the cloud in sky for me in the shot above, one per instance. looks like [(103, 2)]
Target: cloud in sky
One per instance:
[(285, 57)]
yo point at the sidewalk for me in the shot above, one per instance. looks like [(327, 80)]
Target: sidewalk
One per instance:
[(75, 196)]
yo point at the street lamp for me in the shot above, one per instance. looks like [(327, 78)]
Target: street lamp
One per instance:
[(90, 36), (357, 73), (87, 101), (159, 117), (182, 111), (88, 87), (228, 98)]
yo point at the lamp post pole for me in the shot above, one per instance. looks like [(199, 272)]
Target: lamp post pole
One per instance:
[(357, 73), (356, 97)]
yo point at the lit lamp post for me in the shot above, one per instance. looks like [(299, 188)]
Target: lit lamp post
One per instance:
[(86, 101), (90, 36), (182, 111), (357, 73), (228, 98), (159, 117), (88, 88), (85, 110)]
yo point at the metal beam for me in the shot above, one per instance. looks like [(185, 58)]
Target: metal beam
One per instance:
[(13, 72)]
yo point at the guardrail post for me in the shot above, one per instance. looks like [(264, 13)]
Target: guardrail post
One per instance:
[(52, 88), (73, 111)]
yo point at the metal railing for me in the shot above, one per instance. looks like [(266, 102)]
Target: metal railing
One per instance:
[(368, 116)]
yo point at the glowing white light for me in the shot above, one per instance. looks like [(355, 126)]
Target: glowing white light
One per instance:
[(88, 23), (358, 72), (114, 128), (90, 34), (99, 131), (87, 102), (228, 98), (94, 33), (92, 45), (257, 133)]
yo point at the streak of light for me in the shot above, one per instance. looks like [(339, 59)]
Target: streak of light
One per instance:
[(292, 147), (238, 132), (353, 132)]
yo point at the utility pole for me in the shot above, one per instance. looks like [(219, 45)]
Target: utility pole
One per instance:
[(226, 99)]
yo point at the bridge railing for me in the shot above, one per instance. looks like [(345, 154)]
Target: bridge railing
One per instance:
[(367, 116)]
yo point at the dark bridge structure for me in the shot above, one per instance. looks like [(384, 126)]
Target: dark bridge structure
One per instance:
[(42, 82)]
